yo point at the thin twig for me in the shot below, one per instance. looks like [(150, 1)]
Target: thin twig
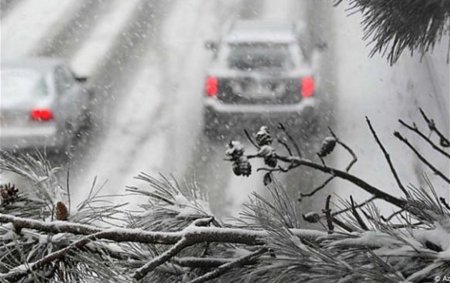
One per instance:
[(421, 157), (227, 266), (249, 137), (291, 139), (357, 216), (357, 206), (432, 126), (346, 147), (323, 185), (389, 218), (388, 159), (345, 176), (328, 180), (285, 146), (416, 130), (164, 257)]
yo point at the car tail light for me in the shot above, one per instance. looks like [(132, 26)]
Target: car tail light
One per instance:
[(307, 87), (212, 86), (41, 114)]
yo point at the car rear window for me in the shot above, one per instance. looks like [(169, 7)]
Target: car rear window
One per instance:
[(259, 56), (19, 84)]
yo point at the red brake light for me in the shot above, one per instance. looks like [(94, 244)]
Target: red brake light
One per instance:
[(307, 86), (41, 114), (212, 86)]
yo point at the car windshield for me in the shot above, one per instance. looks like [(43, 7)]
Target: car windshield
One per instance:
[(19, 84), (259, 56)]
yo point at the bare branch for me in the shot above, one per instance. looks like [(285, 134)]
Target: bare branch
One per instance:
[(432, 126), (347, 169), (388, 158), (345, 176), (249, 137), (313, 192), (291, 139), (225, 267), (421, 157), (285, 146), (416, 130), (346, 147), (387, 219)]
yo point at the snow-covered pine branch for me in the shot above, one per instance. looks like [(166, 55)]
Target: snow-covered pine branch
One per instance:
[(174, 237)]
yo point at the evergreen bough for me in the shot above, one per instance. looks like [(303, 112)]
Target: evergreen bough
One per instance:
[(175, 237)]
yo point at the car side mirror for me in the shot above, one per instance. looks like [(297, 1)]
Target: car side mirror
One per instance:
[(211, 45)]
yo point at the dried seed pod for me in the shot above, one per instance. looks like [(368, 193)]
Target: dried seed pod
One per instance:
[(327, 147), (61, 211), (242, 166), (263, 136), (234, 150), (311, 217)]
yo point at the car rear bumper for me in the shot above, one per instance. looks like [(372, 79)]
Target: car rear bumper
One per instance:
[(236, 117), (19, 138)]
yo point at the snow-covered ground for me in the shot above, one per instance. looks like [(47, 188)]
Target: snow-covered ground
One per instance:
[(147, 65)]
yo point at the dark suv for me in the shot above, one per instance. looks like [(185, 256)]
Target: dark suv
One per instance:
[(260, 74)]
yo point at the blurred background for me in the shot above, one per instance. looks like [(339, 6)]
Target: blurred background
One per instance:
[(145, 65)]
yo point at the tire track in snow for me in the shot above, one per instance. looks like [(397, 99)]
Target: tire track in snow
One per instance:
[(69, 33), (31, 22), (99, 42), (115, 79)]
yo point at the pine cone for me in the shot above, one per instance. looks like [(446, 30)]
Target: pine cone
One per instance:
[(263, 137), (268, 153), (61, 211), (327, 147), (271, 161), (311, 217), (234, 150), (242, 167), (8, 192)]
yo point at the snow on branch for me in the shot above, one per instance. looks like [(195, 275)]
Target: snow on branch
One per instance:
[(174, 236)]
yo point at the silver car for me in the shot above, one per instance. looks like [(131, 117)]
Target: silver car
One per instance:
[(261, 74), (42, 104)]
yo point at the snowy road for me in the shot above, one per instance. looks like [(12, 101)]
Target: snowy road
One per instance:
[(146, 64)]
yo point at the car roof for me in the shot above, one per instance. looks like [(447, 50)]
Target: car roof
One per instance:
[(40, 64), (261, 31)]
